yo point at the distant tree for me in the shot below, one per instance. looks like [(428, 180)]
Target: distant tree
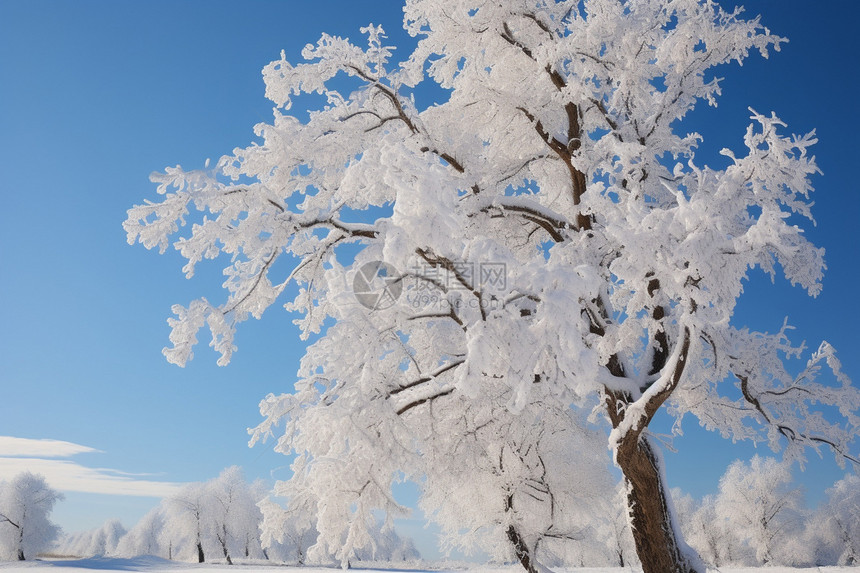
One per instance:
[(685, 507), (836, 524), (102, 540), (713, 536), (388, 546), (757, 499), (74, 544), (106, 538), (219, 515), (559, 155), (620, 539), (185, 514), (233, 514), (145, 538), (26, 502), (287, 533)]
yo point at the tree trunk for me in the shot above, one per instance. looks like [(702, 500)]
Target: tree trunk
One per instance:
[(521, 548), (659, 546), (200, 558), (223, 542), (20, 527)]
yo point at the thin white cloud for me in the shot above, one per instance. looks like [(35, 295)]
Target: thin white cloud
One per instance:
[(21, 454), (25, 447)]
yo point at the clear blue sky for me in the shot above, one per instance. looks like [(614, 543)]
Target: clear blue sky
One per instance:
[(95, 95)]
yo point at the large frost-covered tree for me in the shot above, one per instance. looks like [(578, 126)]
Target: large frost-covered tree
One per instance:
[(557, 240), (26, 502)]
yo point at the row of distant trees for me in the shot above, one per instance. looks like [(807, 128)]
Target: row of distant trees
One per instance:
[(224, 519), (756, 518)]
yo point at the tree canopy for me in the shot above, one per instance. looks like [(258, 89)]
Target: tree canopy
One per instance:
[(556, 244)]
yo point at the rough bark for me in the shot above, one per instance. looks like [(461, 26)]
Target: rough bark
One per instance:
[(658, 544)]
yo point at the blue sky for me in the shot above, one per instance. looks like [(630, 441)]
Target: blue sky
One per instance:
[(95, 95)]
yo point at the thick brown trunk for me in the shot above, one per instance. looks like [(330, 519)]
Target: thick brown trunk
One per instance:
[(658, 544)]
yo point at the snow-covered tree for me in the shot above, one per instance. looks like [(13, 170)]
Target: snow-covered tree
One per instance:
[(102, 540), (220, 516), (388, 546), (287, 533), (26, 502), (835, 526), (146, 537), (233, 515), (185, 517), (106, 538), (759, 502), (554, 231), (709, 533)]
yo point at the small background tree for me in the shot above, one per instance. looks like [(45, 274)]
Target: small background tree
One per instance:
[(146, 537), (834, 529), (26, 502), (758, 501)]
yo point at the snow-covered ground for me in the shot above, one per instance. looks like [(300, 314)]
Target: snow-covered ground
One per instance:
[(156, 565)]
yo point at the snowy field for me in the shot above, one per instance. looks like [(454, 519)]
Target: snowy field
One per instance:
[(156, 564)]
